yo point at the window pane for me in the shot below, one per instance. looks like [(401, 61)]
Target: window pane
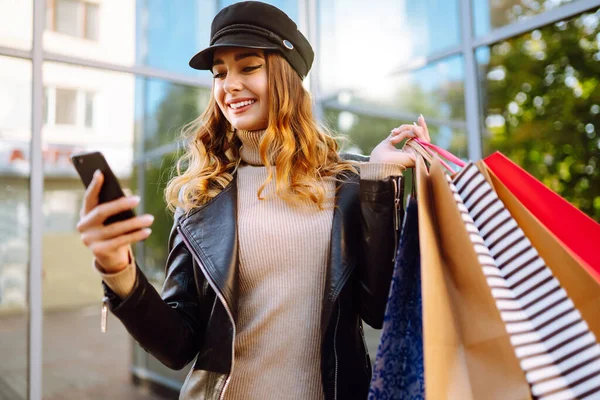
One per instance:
[(66, 106), (164, 108), (91, 21), (89, 109), (392, 34), (104, 32), (367, 131), (436, 91), (170, 33), (157, 172), (491, 14), (78, 360), (15, 134), (542, 106), (16, 24), (290, 7), (68, 17)]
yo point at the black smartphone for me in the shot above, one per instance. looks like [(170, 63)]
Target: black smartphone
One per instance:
[(86, 164)]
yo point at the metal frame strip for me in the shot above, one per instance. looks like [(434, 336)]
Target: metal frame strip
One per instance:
[(549, 17), (392, 114), (471, 81), (36, 221)]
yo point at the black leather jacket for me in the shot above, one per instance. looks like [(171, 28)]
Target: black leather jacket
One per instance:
[(194, 317)]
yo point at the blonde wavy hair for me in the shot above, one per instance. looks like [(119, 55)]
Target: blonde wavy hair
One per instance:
[(304, 153)]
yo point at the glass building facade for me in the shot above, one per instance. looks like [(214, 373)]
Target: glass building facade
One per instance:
[(518, 76)]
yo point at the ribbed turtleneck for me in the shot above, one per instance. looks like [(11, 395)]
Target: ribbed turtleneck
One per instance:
[(250, 142), (283, 253)]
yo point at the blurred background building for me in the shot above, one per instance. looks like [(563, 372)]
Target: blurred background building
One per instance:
[(519, 76)]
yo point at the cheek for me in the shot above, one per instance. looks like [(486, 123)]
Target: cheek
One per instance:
[(219, 98)]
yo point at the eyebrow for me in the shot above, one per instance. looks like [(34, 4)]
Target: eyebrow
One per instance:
[(237, 57)]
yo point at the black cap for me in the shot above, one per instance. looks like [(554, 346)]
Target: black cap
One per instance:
[(257, 25)]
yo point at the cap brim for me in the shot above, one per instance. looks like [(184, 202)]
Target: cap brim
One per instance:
[(204, 59)]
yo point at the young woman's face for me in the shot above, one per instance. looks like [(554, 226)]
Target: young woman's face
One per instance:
[(240, 87)]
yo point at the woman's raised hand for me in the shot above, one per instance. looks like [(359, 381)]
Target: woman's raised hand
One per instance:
[(386, 151), (110, 244)]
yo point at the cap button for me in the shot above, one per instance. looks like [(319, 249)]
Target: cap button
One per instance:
[(288, 45)]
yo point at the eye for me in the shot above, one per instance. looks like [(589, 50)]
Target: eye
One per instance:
[(251, 68), (219, 75)]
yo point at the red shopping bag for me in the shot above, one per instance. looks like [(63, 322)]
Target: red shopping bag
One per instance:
[(578, 232)]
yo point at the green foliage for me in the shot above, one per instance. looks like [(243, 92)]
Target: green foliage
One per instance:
[(549, 102)]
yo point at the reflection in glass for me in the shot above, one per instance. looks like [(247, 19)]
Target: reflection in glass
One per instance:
[(96, 30), (164, 108), (157, 172), (169, 33), (156, 175), (87, 110), (15, 134), (290, 7), (66, 106), (392, 34), (542, 106), (436, 91), (491, 14), (16, 24), (67, 18), (365, 132)]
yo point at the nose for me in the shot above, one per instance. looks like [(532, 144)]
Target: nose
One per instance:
[(232, 83)]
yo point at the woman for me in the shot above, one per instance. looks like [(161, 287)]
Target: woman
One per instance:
[(279, 247)]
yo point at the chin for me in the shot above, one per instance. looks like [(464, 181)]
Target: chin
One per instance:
[(249, 125)]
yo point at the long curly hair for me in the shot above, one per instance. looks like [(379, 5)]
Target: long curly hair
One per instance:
[(303, 153)]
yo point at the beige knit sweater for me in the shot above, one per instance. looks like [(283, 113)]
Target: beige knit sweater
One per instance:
[(283, 252)]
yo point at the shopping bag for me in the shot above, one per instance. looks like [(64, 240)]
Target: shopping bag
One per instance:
[(556, 349), (581, 287), (467, 350), (572, 227), (398, 369)]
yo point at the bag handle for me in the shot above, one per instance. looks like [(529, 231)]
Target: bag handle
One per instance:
[(427, 153), (442, 152)]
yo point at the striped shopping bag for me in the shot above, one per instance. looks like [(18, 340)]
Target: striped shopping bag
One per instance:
[(557, 351)]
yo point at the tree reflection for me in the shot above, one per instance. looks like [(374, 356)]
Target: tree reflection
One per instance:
[(543, 106)]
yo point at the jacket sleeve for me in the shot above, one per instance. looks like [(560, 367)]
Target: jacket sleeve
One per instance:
[(379, 224), (168, 326)]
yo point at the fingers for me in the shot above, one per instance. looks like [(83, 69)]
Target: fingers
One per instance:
[(116, 229), (108, 247), (402, 128), (402, 136), (101, 212), (423, 125), (90, 199), (418, 130)]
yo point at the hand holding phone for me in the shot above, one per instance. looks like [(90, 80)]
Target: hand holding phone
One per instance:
[(108, 225)]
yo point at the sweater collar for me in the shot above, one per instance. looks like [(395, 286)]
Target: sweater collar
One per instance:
[(250, 144)]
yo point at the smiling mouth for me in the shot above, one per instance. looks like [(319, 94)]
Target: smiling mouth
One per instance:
[(241, 104)]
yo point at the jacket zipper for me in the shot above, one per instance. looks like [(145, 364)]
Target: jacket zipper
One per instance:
[(364, 341), (104, 314), (221, 298), (397, 205), (335, 354)]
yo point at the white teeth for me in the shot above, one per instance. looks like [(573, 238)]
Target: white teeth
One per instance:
[(241, 104)]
